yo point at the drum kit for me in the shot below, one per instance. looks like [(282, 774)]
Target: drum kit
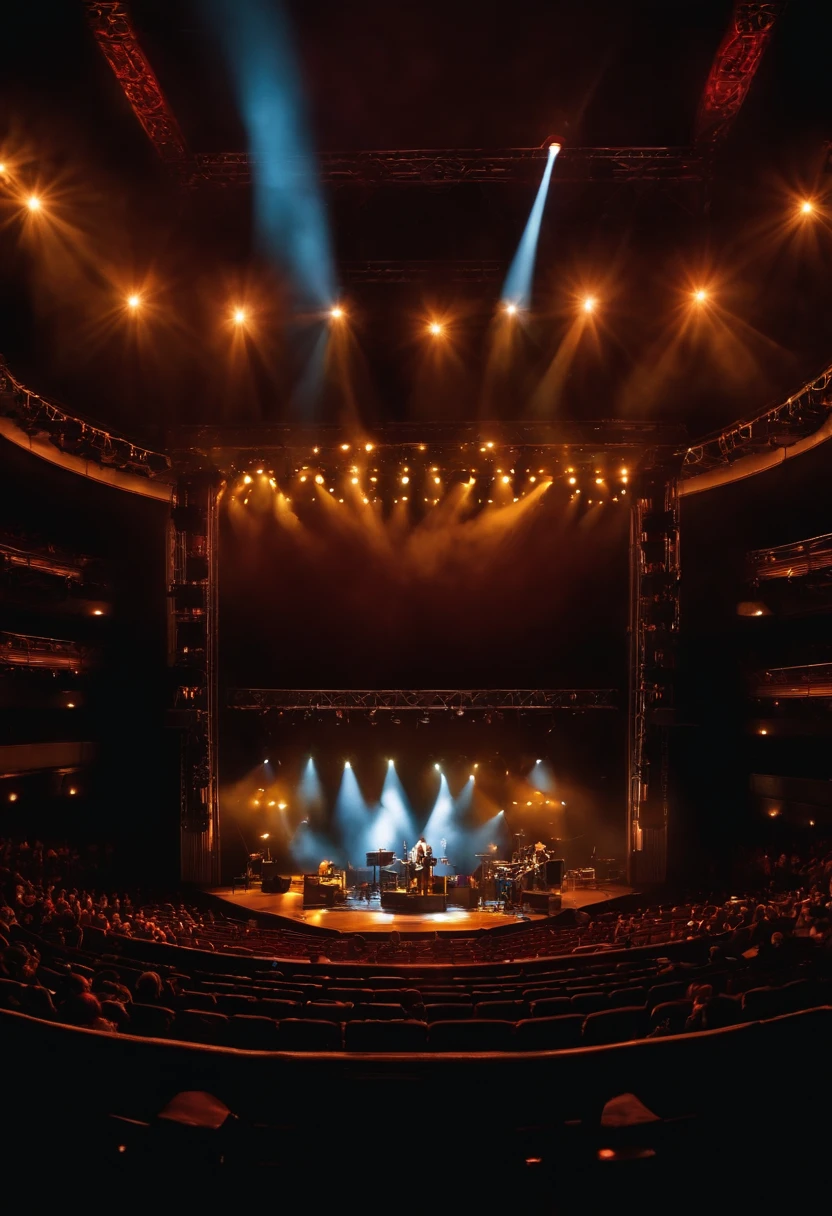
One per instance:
[(526, 871)]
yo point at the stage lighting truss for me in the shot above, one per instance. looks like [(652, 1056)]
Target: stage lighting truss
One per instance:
[(458, 166), (49, 654), (423, 701), (39, 417), (791, 683), (794, 419), (805, 559)]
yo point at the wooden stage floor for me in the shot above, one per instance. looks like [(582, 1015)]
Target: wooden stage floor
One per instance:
[(355, 917)]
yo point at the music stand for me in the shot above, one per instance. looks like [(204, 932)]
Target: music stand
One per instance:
[(381, 857)]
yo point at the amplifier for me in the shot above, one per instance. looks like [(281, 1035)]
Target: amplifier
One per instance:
[(554, 872), (548, 902)]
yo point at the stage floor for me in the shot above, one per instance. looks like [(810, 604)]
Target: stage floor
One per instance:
[(355, 917)]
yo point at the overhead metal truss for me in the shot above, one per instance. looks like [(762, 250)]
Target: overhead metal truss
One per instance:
[(117, 41), (476, 270), (798, 560), (734, 67), (420, 699), (790, 683), (458, 166), (782, 425), (51, 654)]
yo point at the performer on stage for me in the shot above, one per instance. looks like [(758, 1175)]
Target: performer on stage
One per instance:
[(421, 856)]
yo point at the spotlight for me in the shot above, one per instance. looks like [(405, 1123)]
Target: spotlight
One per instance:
[(319, 480), (807, 207), (589, 304), (511, 310), (281, 806), (368, 447), (572, 481), (405, 480), (70, 704), (538, 761), (347, 764), (554, 147), (33, 202), (437, 767), (72, 791), (12, 797), (97, 612), (700, 295), (337, 313), (239, 316), (435, 328), (391, 763), (133, 302), (264, 835)]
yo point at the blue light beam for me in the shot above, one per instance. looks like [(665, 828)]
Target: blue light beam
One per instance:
[(517, 289), (288, 209), (393, 825), (351, 819)]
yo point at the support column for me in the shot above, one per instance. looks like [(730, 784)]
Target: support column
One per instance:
[(193, 552), (653, 630)]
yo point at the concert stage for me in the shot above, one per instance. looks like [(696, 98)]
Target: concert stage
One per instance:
[(360, 917)]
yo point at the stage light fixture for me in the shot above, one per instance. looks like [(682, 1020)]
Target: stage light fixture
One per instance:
[(438, 767), (13, 797), (589, 304), (511, 310), (337, 313), (555, 147), (72, 791), (347, 764), (807, 207), (281, 806), (239, 316), (319, 479), (368, 447), (70, 704), (405, 481), (247, 480), (134, 301), (435, 328), (264, 835), (391, 762), (354, 481), (538, 761), (700, 295), (33, 202), (97, 612), (572, 481)]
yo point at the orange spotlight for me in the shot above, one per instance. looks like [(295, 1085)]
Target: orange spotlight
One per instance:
[(589, 304), (511, 310), (436, 329), (572, 481), (336, 313), (700, 295), (807, 207), (239, 316), (555, 147), (134, 301), (33, 202)]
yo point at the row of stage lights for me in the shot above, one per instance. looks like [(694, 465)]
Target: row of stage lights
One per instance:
[(240, 317), (602, 486)]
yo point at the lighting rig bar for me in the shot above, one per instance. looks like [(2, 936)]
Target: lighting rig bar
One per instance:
[(794, 419), (423, 700), (53, 654), (456, 271), (458, 166), (792, 561), (790, 683), (735, 66)]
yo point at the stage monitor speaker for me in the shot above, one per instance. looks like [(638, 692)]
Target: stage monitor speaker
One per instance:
[(554, 872)]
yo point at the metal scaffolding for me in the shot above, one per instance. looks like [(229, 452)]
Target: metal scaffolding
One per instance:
[(483, 700)]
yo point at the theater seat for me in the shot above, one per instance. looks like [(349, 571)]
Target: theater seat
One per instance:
[(200, 1026), (328, 1011), (675, 1013), (355, 996), (506, 1011), (470, 1034), (548, 1034), (307, 1034), (11, 995), (550, 1006), (613, 1026), (589, 1002), (446, 1012), (660, 993), (197, 1000), (152, 1021), (277, 1009), (232, 1003), (252, 1033), (377, 1011), (621, 998), (396, 996), (373, 1035), (445, 996)]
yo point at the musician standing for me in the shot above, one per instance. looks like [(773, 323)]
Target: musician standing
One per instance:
[(420, 855)]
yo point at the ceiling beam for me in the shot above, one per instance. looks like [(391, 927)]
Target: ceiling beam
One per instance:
[(734, 67), (117, 41)]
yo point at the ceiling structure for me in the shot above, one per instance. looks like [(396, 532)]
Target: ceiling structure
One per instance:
[(683, 130)]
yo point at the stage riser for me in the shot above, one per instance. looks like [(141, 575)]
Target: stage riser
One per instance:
[(547, 902), (417, 905)]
